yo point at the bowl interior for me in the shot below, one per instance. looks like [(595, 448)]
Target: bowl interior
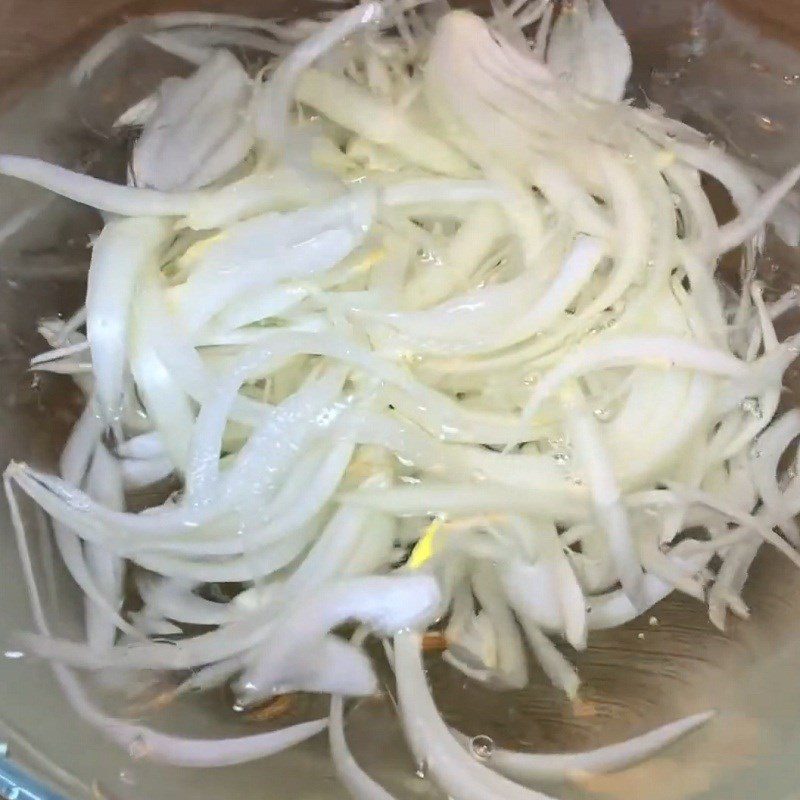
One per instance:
[(703, 66)]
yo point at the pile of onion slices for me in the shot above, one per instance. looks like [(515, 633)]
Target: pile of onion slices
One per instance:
[(418, 327)]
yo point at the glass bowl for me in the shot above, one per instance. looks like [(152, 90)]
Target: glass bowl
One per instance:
[(705, 66)]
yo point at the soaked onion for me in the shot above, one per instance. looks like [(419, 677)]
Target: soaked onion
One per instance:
[(423, 319)]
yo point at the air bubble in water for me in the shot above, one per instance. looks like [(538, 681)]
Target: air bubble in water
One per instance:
[(482, 747), (768, 124), (561, 458), (14, 655), (127, 777), (603, 414), (421, 770)]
